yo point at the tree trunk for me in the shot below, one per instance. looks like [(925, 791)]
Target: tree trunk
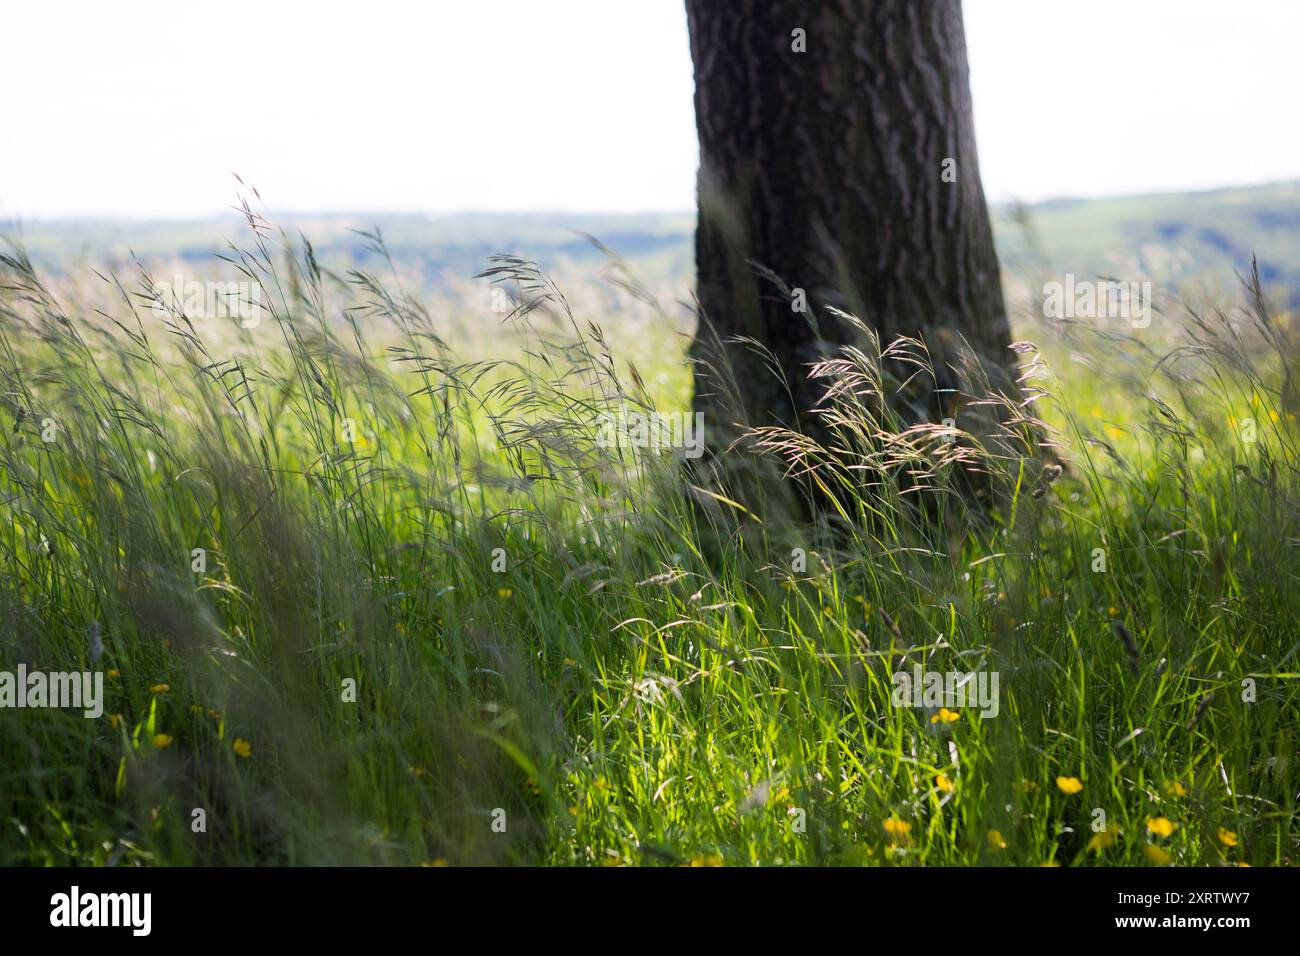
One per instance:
[(848, 172)]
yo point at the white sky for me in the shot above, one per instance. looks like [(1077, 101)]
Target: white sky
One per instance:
[(144, 107)]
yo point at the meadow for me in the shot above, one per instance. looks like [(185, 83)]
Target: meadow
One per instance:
[(368, 588)]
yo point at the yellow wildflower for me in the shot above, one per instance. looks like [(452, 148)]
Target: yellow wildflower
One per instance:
[(1156, 855), (1069, 785), (1161, 826), (1103, 839), (897, 828)]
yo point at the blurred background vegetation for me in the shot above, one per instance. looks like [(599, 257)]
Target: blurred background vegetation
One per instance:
[(1193, 242)]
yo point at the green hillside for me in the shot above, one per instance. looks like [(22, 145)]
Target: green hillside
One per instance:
[(1182, 237)]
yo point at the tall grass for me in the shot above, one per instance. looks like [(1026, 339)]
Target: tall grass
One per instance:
[(440, 621)]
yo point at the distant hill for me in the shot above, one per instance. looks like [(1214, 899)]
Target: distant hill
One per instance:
[(436, 245), (1203, 236)]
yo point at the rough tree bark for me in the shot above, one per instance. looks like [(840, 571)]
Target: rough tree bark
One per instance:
[(827, 167)]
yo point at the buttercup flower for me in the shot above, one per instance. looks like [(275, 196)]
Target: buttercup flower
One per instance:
[(897, 828), (1161, 826), (1069, 785), (1103, 839), (1156, 855)]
